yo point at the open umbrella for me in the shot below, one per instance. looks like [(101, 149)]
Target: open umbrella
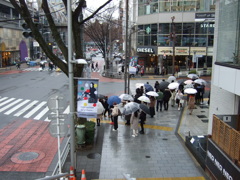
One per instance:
[(152, 93), (173, 85), (101, 96), (126, 97), (193, 76), (188, 86), (138, 85), (144, 99), (148, 87), (100, 108), (201, 82), (163, 85), (130, 108), (190, 91), (144, 108), (189, 81), (113, 99), (171, 78)]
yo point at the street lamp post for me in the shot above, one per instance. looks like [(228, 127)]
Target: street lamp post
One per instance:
[(71, 86), (126, 52), (173, 38)]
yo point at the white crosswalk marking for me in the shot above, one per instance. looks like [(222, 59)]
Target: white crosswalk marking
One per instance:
[(28, 115), (2, 99), (25, 109), (9, 100), (9, 105), (17, 107), (41, 114)]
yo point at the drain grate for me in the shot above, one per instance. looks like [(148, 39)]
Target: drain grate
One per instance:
[(204, 120), (148, 156), (201, 116), (93, 155), (165, 139)]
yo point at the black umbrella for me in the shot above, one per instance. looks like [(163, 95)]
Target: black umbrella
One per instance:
[(144, 108), (101, 96), (163, 85)]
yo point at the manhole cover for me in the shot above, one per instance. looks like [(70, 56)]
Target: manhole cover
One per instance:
[(93, 156), (27, 156)]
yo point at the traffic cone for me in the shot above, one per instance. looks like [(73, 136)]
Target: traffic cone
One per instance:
[(72, 176), (83, 175)]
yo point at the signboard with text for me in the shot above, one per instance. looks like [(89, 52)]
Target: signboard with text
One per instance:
[(87, 98), (219, 164)]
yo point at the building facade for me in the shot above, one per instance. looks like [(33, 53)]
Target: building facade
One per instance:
[(180, 33)]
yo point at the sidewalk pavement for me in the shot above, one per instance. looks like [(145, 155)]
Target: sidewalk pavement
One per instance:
[(159, 153)]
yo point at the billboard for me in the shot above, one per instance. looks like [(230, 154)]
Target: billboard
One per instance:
[(87, 98)]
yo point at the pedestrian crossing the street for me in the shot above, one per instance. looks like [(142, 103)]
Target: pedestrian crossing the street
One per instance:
[(28, 109)]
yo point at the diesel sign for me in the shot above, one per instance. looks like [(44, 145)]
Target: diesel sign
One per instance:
[(145, 50)]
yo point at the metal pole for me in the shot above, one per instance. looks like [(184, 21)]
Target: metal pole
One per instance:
[(126, 51), (173, 44), (58, 137), (71, 85)]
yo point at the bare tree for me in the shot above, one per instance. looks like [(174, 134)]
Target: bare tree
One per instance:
[(103, 31), (25, 12)]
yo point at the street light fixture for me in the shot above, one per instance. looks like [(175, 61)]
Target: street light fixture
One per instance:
[(173, 38)]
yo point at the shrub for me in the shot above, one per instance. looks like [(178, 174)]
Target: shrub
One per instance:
[(90, 132)]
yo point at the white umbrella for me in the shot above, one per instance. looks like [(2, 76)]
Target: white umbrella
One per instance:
[(173, 85), (188, 86), (171, 78), (190, 91), (126, 97), (152, 93), (188, 81), (201, 81), (130, 108), (138, 85), (193, 76), (144, 99), (100, 108)]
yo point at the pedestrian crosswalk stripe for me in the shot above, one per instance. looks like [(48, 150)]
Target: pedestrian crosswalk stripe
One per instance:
[(25, 109), (67, 110), (9, 100), (41, 114), (2, 99), (28, 115), (9, 105), (16, 107)]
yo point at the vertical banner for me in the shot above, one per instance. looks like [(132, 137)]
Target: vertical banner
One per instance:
[(87, 98)]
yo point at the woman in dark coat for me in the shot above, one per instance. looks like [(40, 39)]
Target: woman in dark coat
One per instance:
[(166, 96), (142, 118)]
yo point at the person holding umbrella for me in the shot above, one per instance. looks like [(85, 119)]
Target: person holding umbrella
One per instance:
[(142, 118), (152, 105), (191, 103), (134, 123), (100, 110), (115, 116)]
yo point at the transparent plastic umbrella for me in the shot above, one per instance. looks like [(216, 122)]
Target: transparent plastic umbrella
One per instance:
[(190, 91), (126, 97), (144, 99), (152, 93), (173, 85), (130, 108)]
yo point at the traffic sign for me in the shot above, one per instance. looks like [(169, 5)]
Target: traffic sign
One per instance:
[(63, 128), (56, 102)]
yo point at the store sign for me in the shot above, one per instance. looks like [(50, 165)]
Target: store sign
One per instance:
[(219, 164), (204, 15), (182, 51), (145, 50)]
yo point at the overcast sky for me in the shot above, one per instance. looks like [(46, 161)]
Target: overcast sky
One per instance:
[(94, 4)]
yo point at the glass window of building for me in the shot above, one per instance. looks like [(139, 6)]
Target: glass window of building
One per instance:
[(228, 47), (147, 40), (200, 41), (164, 28), (154, 40), (163, 40), (154, 29)]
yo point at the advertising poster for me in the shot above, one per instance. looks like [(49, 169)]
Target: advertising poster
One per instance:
[(87, 98)]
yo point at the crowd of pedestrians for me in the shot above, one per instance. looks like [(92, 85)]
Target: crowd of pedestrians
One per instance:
[(159, 102)]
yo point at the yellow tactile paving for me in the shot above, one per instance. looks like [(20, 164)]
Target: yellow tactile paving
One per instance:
[(145, 126), (170, 178)]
